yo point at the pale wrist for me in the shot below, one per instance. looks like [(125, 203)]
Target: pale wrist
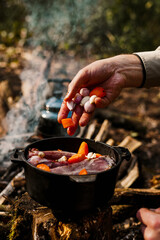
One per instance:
[(130, 66)]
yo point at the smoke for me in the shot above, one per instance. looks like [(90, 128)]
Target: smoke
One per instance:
[(53, 23), (21, 121), (56, 23)]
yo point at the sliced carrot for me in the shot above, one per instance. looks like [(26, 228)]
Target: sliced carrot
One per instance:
[(83, 172), (67, 122), (98, 91), (76, 158), (83, 149), (98, 155), (43, 167)]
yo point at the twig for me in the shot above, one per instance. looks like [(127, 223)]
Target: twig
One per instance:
[(5, 208), (133, 170), (18, 182), (9, 188), (130, 143), (91, 129), (137, 197), (103, 132), (110, 142)]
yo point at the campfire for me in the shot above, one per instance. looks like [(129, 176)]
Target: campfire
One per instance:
[(68, 37), (21, 215)]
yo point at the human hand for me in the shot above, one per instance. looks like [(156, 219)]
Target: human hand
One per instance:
[(113, 74), (150, 220)]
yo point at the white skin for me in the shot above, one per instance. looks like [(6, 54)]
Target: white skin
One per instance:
[(113, 74), (150, 220)]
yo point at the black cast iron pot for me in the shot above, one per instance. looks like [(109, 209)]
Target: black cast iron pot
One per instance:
[(71, 193)]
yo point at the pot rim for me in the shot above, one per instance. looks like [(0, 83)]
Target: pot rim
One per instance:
[(114, 148)]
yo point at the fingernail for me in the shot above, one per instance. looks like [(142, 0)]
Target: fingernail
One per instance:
[(152, 209), (67, 95)]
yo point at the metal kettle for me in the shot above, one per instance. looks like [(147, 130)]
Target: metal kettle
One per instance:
[(48, 125)]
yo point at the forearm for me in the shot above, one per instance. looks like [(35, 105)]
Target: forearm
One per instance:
[(130, 66)]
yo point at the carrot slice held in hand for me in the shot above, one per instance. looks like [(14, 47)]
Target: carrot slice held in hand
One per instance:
[(98, 91), (67, 122), (76, 158), (43, 167), (83, 149), (83, 172)]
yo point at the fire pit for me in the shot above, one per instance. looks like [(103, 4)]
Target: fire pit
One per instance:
[(107, 126)]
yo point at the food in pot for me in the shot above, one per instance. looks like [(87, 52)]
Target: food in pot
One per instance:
[(68, 163), (83, 172), (43, 167)]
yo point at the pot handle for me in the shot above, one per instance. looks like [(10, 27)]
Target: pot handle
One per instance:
[(16, 156), (124, 152)]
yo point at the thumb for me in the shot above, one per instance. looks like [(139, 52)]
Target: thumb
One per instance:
[(79, 81)]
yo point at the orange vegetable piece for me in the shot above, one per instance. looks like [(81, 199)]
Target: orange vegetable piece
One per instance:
[(43, 167), (83, 149), (83, 172), (98, 91), (98, 155), (76, 158), (67, 122)]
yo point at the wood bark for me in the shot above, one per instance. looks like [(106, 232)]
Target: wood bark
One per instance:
[(33, 221), (103, 132), (91, 129), (137, 197), (9, 188), (130, 169)]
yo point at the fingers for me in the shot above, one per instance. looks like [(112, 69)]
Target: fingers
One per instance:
[(76, 115), (150, 220), (85, 118), (143, 228), (157, 210), (79, 117), (78, 82), (149, 233), (147, 217), (102, 102), (63, 113)]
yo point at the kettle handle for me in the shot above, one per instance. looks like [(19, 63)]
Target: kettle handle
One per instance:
[(16, 156)]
